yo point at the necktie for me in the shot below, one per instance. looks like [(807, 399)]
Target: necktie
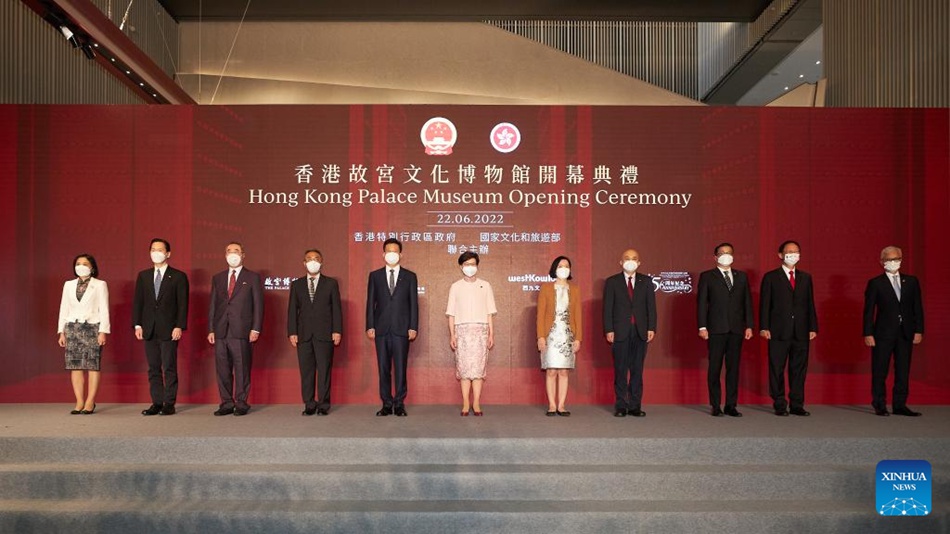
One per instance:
[(392, 281), (313, 288), (791, 278), (630, 294), (895, 281), (728, 279), (231, 282), (158, 282)]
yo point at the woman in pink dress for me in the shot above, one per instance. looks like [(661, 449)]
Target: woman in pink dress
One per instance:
[(470, 310)]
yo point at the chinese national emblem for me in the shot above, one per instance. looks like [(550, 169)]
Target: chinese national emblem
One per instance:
[(505, 137), (438, 136)]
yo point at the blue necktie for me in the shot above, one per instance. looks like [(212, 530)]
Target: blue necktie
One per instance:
[(158, 282)]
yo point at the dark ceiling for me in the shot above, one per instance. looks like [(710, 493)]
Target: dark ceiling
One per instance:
[(431, 10)]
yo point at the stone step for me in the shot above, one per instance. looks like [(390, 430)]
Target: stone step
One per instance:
[(568, 482), (422, 517)]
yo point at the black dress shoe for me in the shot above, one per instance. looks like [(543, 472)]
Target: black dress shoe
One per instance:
[(323, 411), (168, 409), (223, 411), (384, 411), (619, 413), (154, 409), (401, 412), (309, 411), (89, 412), (241, 411), (637, 413), (907, 412), (564, 413), (550, 413), (881, 412), (781, 413), (799, 412), (732, 412), (77, 412), (715, 412)]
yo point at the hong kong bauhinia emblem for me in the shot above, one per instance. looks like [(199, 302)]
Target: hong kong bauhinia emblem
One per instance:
[(505, 137), (438, 136)]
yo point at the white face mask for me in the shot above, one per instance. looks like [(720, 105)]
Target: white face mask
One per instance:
[(83, 270), (630, 265), (563, 272), (792, 259), (234, 260), (469, 270), (392, 258), (725, 259), (313, 266), (158, 257), (890, 266)]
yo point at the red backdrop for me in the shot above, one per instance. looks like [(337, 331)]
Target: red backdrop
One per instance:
[(105, 180)]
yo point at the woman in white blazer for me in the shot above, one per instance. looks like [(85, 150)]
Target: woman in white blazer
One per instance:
[(83, 325)]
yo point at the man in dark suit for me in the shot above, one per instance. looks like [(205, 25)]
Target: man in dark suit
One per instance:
[(629, 324), (893, 324), (315, 326), (724, 313), (159, 316), (392, 321), (235, 319), (787, 319)]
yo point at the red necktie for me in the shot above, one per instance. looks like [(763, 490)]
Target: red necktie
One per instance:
[(791, 278), (630, 293), (231, 282)]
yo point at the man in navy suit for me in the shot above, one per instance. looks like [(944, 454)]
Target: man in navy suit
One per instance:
[(159, 316), (314, 327), (235, 319), (787, 319), (629, 324), (724, 313), (392, 321), (893, 324)]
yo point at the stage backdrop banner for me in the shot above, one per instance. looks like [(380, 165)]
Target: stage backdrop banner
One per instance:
[(518, 185)]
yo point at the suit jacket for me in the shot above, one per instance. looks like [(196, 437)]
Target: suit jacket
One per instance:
[(893, 317), (397, 313), (719, 310), (547, 302), (618, 307), (158, 317), (319, 319), (787, 314), (235, 317), (93, 308)]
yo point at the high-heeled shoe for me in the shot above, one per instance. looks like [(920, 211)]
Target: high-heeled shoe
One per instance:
[(89, 412), (75, 412), (464, 413), (479, 414)]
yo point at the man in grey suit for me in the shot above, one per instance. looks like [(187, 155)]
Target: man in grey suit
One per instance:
[(629, 324), (724, 314), (893, 324), (235, 319), (314, 327)]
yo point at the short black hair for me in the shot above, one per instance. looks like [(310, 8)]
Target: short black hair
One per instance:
[(238, 243), (465, 256), (309, 250), (92, 263), (553, 271), (781, 248), (720, 245), (392, 241), (168, 246)]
